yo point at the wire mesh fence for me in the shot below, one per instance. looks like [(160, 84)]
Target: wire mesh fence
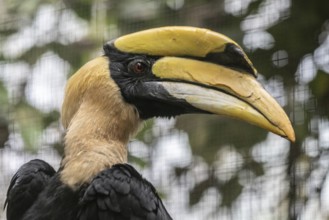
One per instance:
[(204, 167)]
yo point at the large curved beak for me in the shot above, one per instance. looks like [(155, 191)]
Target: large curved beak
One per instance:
[(223, 91), (210, 72)]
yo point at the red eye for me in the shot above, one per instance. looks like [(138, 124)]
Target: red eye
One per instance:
[(138, 67)]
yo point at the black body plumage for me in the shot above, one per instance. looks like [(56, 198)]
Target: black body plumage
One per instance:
[(116, 193), (25, 186), (121, 193)]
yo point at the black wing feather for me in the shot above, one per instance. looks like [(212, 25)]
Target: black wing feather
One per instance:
[(120, 192), (25, 186)]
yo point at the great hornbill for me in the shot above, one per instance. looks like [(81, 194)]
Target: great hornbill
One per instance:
[(160, 72)]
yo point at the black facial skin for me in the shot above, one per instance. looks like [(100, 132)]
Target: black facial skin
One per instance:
[(138, 85)]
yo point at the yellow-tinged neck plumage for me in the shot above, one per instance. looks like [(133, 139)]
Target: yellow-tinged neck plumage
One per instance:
[(98, 123)]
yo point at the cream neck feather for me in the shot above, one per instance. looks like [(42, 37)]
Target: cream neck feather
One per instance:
[(98, 122)]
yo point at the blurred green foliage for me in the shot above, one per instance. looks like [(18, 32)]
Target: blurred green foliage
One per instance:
[(298, 28)]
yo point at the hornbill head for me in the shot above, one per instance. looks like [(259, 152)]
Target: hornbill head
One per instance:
[(169, 71)]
